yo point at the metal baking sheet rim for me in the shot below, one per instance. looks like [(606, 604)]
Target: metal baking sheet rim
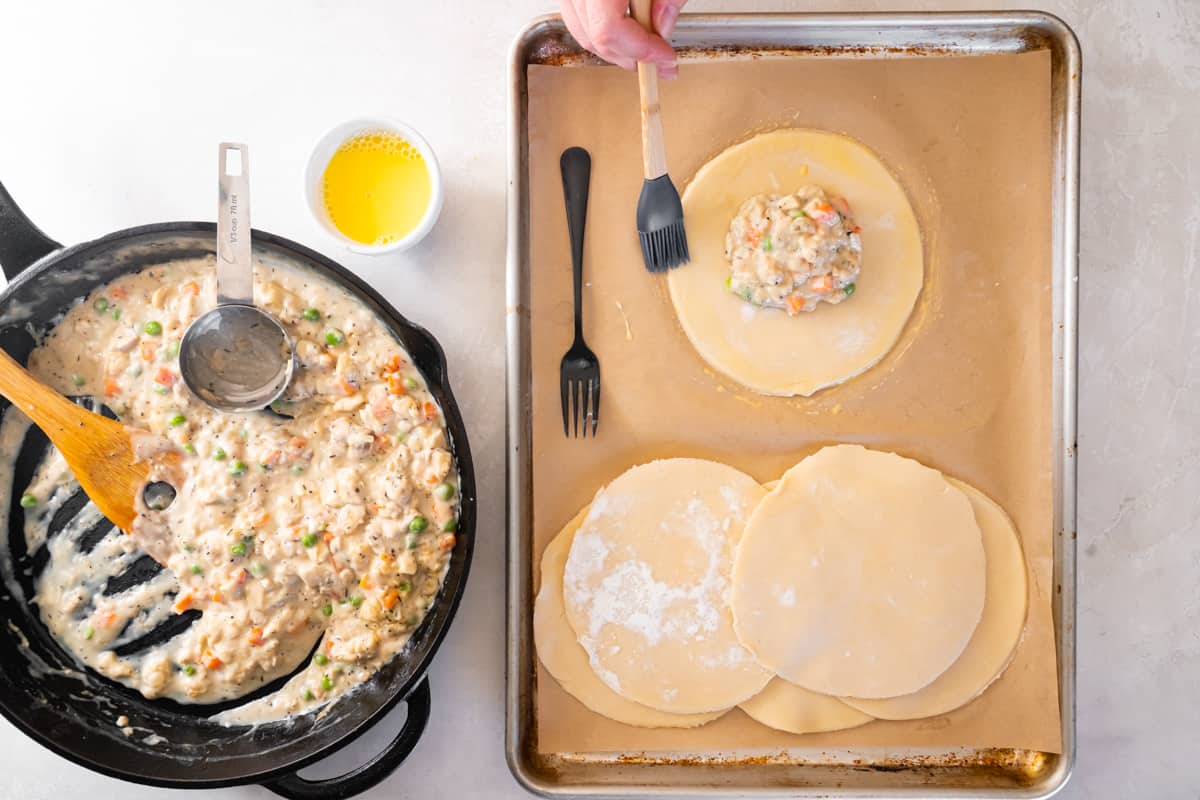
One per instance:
[(847, 773)]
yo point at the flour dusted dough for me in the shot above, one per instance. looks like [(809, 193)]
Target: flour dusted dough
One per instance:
[(562, 656), (787, 707), (646, 586), (765, 349), (861, 574), (992, 646)]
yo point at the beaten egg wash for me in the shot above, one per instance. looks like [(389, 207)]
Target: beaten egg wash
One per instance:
[(376, 188)]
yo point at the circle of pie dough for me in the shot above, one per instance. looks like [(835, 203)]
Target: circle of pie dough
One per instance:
[(646, 586), (763, 348), (991, 648), (787, 707), (861, 574), (565, 659)]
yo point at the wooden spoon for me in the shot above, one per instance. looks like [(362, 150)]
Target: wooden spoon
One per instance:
[(100, 451)]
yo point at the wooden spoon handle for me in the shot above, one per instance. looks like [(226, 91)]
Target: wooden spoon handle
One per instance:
[(53, 413), (654, 147)]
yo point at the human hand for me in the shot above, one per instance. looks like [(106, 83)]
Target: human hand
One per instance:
[(603, 27)]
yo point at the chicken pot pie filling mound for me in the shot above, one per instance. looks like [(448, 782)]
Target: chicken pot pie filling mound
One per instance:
[(314, 536), (793, 251)]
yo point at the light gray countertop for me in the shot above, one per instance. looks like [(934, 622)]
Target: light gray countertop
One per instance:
[(108, 119)]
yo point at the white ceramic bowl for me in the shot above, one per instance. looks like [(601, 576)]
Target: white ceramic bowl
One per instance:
[(324, 151)]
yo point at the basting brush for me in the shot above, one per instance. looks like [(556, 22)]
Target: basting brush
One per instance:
[(659, 212)]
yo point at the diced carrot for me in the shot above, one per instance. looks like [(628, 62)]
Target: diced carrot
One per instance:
[(211, 661), (329, 644), (432, 479), (118, 292), (164, 377), (149, 347), (327, 537), (256, 636), (430, 411), (191, 287), (365, 582), (348, 389), (270, 460), (754, 237), (385, 558), (239, 575), (183, 603), (216, 597), (393, 364), (106, 618), (111, 387), (447, 543), (297, 442), (823, 283), (381, 443), (795, 304), (264, 517), (390, 598)]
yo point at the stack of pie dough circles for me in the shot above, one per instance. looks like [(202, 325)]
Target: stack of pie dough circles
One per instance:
[(861, 585)]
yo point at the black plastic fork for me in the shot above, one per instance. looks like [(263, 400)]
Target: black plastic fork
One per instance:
[(579, 375)]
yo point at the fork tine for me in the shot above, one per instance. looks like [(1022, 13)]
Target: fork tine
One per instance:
[(578, 405), (566, 408), (595, 405), (587, 407)]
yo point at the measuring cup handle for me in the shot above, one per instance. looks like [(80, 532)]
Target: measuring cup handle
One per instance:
[(235, 270)]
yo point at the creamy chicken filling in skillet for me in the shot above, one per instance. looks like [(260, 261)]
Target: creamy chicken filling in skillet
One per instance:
[(793, 251), (331, 521)]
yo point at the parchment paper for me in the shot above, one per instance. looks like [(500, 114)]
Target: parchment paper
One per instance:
[(967, 389)]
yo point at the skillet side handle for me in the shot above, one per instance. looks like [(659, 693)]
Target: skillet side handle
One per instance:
[(21, 242), (374, 771)]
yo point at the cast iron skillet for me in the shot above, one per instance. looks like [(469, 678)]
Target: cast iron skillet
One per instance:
[(72, 710)]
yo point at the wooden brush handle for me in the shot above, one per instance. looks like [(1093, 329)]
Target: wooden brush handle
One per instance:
[(53, 413), (654, 147)]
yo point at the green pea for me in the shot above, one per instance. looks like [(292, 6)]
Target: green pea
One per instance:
[(189, 669), (767, 244), (418, 524), (237, 469), (321, 659), (327, 683), (312, 314), (238, 549), (356, 601), (189, 448), (405, 587), (298, 469), (444, 492), (177, 420), (88, 632), (308, 539), (100, 304), (197, 569), (411, 384), (849, 290), (154, 327), (451, 525), (116, 312), (308, 695), (160, 389), (28, 500), (172, 349), (334, 337), (258, 570), (78, 379), (412, 540), (327, 609), (219, 454)]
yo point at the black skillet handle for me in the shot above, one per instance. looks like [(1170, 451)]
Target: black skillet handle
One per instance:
[(294, 787), (21, 242)]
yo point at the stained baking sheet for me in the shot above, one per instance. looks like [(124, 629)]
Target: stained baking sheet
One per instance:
[(971, 388)]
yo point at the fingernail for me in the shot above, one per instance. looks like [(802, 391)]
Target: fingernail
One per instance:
[(668, 15)]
